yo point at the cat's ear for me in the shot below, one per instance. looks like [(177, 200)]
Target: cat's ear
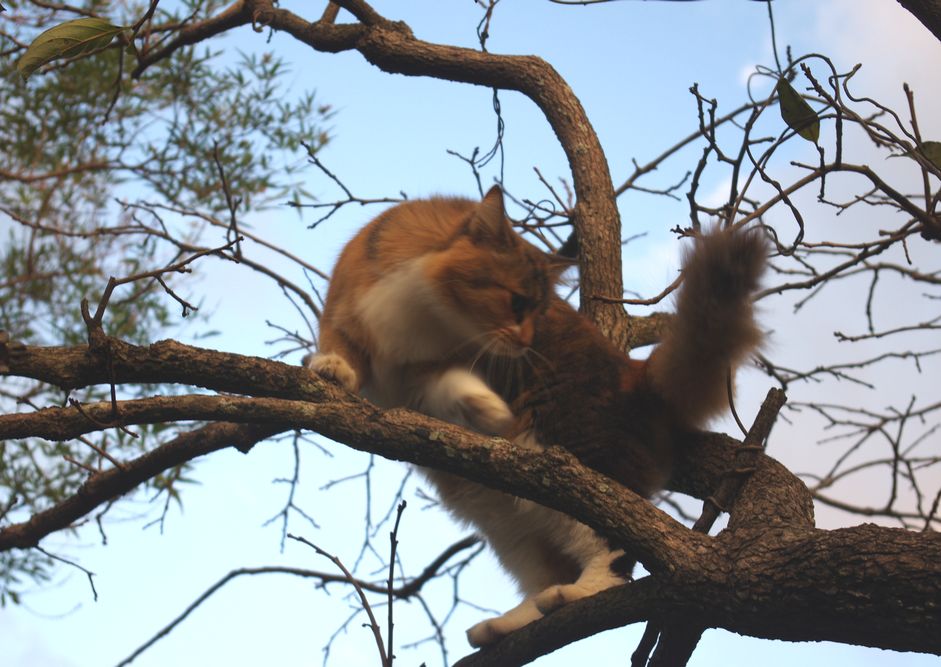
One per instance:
[(558, 264), (488, 224)]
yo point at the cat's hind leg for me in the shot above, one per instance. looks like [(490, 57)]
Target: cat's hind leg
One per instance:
[(607, 569), (494, 629), (604, 569)]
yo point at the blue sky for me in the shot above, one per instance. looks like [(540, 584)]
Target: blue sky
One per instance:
[(631, 64)]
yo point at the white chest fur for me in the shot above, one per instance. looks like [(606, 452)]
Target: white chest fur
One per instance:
[(409, 325)]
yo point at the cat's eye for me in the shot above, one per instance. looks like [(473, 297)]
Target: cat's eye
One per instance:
[(520, 305)]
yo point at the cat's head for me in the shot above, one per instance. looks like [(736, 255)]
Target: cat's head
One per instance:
[(494, 280)]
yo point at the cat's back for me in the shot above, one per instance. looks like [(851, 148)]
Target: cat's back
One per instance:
[(388, 247), (591, 398), (406, 232)]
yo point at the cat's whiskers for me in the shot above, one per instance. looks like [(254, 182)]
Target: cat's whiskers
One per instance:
[(542, 372), (482, 352), (473, 341), (514, 376), (539, 355), (497, 350), (481, 344), (508, 365), (494, 353)]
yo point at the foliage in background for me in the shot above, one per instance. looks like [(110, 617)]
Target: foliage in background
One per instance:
[(84, 146)]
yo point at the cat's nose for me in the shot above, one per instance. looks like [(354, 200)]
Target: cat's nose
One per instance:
[(523, 332)]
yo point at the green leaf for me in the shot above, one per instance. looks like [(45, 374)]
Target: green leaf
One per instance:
[(932, 151), (67, 40), (795, 111)]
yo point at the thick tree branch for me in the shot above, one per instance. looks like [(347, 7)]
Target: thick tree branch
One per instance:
[(164, 361), (867, 585), (659, 541), (676, 642), (397, 434), (237, 14), (926, 11), (772, 495)]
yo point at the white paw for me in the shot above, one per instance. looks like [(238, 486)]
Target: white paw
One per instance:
[(553, 597), (484, 633), (460, 397), (486, 412), (494, 629), (333, 367), (562, 594)]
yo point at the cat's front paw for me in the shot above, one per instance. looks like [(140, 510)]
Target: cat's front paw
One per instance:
[(460, 397), (486, 412), (333, 367)]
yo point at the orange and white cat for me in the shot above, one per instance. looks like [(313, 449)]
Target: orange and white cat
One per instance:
[(437, 305), (423, 293)]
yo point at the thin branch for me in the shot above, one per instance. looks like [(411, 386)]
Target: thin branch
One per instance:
[(384, 657)]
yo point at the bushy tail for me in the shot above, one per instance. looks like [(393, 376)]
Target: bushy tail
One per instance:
[(714, 329)]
